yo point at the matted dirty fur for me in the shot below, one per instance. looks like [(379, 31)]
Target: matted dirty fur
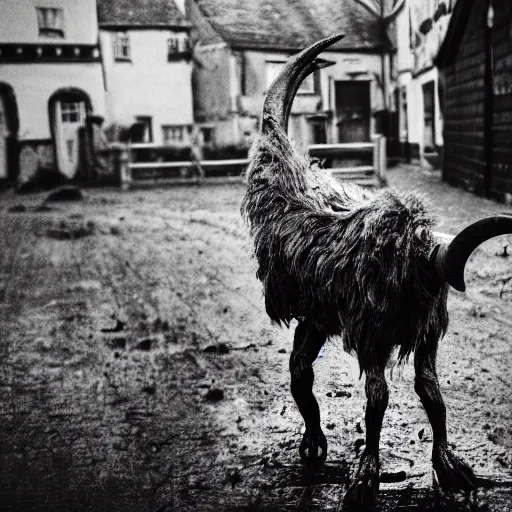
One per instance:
[(346, 259)]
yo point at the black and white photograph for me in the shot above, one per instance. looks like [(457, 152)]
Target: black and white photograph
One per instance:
[(255, 255)]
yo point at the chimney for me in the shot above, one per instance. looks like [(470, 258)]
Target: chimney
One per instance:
[(181, 6)]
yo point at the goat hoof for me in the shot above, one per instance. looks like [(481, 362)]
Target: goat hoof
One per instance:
[(362, 494), (313, 448), (452, 472)]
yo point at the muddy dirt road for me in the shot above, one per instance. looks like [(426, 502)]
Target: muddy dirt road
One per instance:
[(138, 370)]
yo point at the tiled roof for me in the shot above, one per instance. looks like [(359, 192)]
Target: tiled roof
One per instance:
[(140, 13), (290, 24)]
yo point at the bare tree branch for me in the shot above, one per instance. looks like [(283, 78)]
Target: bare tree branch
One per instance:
[(371, 6), (397, 8)]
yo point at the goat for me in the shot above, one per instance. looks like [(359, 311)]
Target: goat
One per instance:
[(366, 266)]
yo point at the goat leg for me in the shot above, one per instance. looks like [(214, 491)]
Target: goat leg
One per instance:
[(363, 491), (452, 472), (306, 345)]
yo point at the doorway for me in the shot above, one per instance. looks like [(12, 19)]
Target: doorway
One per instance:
[(147, 128), (352, 103), (9, 125), (68, 110)]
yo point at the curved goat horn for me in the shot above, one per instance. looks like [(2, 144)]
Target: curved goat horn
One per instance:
[(449, 259), (282, 91)]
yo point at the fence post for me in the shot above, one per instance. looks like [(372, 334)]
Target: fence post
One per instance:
[(376, 160), (380, 160), (124, 168)]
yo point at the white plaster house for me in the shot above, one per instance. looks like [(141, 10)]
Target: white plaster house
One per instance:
[(148, 70), (240, 45), (50, 80), (421, 28)]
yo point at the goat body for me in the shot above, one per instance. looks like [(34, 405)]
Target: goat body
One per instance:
[(363, 265), (346, 259)]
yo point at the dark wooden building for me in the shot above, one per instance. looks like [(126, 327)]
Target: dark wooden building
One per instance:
[(475, 62)]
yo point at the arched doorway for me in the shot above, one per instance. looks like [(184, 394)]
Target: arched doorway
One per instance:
[(68, 110), (9, 126)]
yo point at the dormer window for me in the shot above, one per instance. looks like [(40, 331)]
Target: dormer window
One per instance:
[(122, 46), (50, 21)]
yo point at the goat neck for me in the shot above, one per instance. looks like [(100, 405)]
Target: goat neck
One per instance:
[(282, 91)]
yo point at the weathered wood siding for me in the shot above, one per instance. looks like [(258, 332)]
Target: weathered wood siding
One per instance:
[(464, 159), (501, 170)]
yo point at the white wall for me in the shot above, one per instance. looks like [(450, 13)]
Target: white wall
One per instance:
[(18, 21), (348, 66), (404, 55), (148, 85), (416, 105), (34, 84), (415, 67)]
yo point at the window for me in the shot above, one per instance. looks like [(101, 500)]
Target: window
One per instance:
[(173, 134), (177, 46), (207, 135), (173, 46), (70, 112), (275, 67), (50, 21), (308, 85), (176, 135), (122, 46), (147, 127)]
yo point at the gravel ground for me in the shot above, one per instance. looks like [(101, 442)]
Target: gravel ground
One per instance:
[(138, 370)]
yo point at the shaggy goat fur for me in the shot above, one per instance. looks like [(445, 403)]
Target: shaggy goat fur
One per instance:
[(346, 259)]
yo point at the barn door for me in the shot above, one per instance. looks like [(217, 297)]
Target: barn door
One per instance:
[(3, 140), (353, 110), (69, 118)]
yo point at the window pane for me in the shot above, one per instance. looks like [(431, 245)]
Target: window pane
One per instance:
[(50, 21), (121, 46), (273, 69), (173, 45), (308, 84), (41, 20), (70, 145), (173, 134)]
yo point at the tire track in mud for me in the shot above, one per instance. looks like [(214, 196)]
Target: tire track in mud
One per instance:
[(139, 280), (211, 366), (323, 494)]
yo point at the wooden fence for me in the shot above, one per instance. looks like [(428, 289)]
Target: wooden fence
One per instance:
[(140, 174)]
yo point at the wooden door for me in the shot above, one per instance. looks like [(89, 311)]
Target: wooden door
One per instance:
[(3, 140), (353, 110), (429, 141), (69, 118)]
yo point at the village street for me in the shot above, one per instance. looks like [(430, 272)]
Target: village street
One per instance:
[(139, 371)]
